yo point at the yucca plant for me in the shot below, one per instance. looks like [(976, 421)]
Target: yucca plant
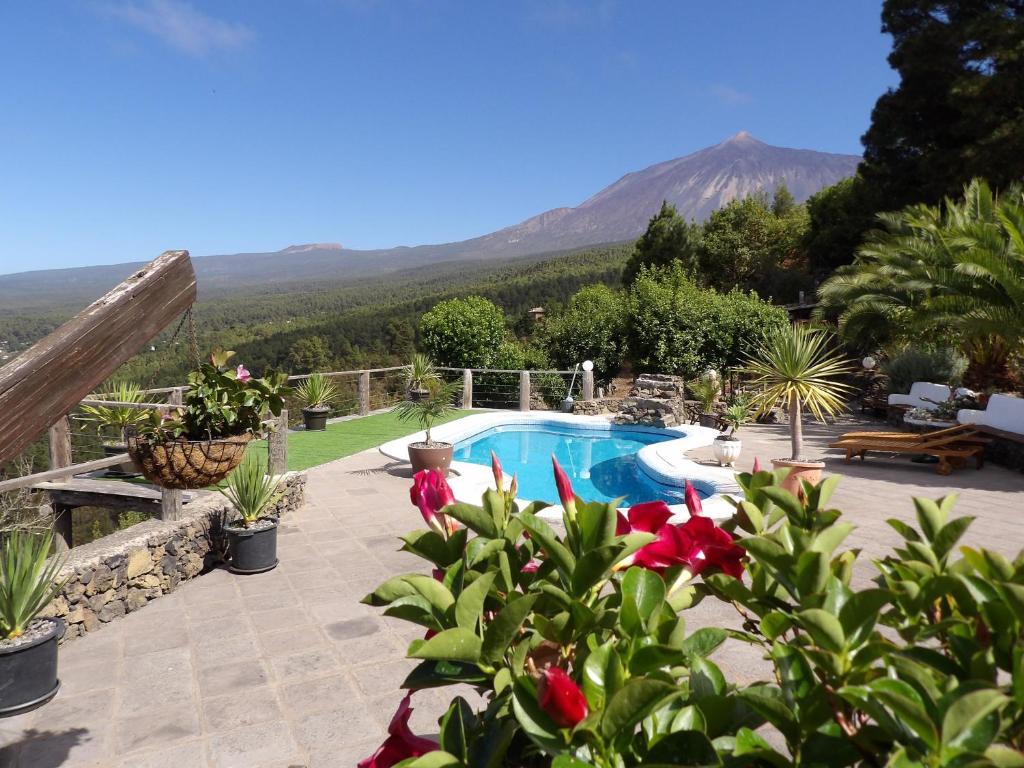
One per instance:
[(115, 418), (799, 367), (421, 374), (317, 391), (738, 413), (437, 404), (28, 580), (251, 490), (706, 389)]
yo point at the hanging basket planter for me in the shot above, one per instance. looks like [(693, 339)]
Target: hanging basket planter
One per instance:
[(187, 464)]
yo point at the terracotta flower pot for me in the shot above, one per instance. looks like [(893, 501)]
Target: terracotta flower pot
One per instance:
[(799, 470), (436, 456)]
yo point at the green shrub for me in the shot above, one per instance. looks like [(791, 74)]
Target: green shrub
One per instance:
[(941, 366), (593, 327), (463, 333)]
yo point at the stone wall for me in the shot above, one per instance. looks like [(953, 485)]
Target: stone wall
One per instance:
[(120, 573)]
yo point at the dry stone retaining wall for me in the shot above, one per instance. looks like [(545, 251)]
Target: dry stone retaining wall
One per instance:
[(122, 572)]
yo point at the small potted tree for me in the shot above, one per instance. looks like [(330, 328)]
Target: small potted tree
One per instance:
[(436, 404), (706, 389), (111, 422), (28, 643), (797, 367), (727, 447), (316, 393), (420, 376), (252, 537)]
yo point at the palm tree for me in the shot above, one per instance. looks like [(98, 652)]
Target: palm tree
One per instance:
[(799, 367), (953, 273)]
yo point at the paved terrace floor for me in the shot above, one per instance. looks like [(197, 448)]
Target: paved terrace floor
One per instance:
[(288, 669)]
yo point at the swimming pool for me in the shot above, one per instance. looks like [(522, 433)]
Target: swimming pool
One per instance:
[(601, 462)]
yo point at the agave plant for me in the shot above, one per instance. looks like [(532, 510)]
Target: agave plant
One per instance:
[(28, 580), (738, 413), (317, 391), (421, 374), (116, 418), (798, 367), (251, 490), (437, 404)]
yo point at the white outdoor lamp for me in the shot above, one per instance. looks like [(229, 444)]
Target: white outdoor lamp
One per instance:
[(588, 365), (869, 363)]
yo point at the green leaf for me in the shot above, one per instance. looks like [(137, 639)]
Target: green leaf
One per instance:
[(861, 611), (824, 628), (565, 761), (706, 679), (704, 641), (473, 517), (949, 535), (683, 748), (436, 593), (503, 629), (632, 703), (592, 567), (390, 590), (456, 726), (435, 759), (830, 538), (967, 714), (457, 644), (534, 720), (597, 523), (602, 675), (929, 517), (470, 605), (434, 674), (774, 624), (643, 592), (542, 533)]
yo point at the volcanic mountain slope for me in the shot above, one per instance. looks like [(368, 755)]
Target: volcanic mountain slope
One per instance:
[(696, 184)]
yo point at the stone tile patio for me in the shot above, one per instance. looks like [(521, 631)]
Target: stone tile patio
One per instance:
[(288, 669)]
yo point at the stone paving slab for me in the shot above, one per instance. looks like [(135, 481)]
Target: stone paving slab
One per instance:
[(287, 669)]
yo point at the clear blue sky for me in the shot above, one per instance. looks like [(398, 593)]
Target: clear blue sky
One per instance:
[(134, 126)]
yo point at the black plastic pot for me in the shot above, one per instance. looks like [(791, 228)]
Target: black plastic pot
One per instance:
[(709, 420), (252, 550), (315, 419), (28, 673)]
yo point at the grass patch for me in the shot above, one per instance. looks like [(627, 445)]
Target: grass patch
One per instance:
[(343, 438)]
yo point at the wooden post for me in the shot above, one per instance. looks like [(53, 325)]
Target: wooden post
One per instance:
[(588, 385), (49, 379), (467, 388), (364, 393), (170, 498), (524, 390), (277, 446), (61, 527), (60, 444)]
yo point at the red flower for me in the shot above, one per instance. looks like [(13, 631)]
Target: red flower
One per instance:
[(499, 477), (532, 565), (692, 499), (401, 742), (705, 544), (431, 493), (647, 517), (561, 698), (242, 373), (757, 465), (565, 492)]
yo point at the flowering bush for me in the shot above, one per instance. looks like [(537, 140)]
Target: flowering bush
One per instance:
[(578, 645), (221, 401)]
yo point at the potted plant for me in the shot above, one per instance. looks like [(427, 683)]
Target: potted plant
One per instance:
[(252, 537), (420, 376), (436, 404), (28, 642), (107, 419), (797, 367), (727, 447), (316, 391), (197, 444), (706, 389)]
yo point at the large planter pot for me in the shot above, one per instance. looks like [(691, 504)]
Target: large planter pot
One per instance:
[(709, 420), (125, 468), (252, 550), (188, 464), (727, 450), (28, 671), (315, 419), (799, 470), (418, 395), (435, 456)]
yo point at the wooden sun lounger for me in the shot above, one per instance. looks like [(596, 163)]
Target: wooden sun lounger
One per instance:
[(960, 431), (952, 450)]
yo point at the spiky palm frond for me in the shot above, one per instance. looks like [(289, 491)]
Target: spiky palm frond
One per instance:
[(251, 490), (28, 579)]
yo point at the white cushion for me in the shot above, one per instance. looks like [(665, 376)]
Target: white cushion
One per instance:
[(1004, 412), (918, 392)]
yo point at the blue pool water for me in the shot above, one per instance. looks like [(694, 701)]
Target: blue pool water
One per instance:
[(600, 462)]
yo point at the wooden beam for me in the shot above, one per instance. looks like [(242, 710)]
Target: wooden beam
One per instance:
[(46, 382), (57, 474)]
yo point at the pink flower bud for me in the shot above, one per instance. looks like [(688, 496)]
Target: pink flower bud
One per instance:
[(561, 698)]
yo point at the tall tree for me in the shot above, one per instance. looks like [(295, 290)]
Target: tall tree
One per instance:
[(839, 217), (958, 111), (668, 238)]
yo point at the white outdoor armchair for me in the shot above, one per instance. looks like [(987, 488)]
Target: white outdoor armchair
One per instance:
[(1004, 412), (923, 394)]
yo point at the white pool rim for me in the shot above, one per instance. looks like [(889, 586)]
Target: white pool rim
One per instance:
[(665, 462)]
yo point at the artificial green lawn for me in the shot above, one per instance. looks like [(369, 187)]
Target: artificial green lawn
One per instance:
[(343, 438)]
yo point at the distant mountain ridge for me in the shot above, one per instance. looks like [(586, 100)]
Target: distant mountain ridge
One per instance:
[(696, 184)]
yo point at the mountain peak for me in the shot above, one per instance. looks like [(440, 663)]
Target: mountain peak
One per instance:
[(306, 247), (743, 137)]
